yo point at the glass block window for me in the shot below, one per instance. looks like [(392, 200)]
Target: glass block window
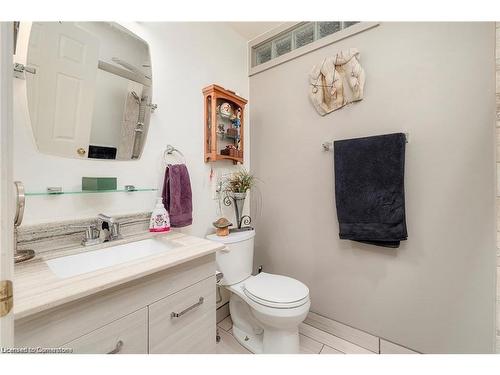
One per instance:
[(327, 28), (282, 45), (304, 35), (294, 38), (263, 53), (349, 23)]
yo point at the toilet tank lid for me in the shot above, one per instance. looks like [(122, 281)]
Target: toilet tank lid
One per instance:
[(233, 237)]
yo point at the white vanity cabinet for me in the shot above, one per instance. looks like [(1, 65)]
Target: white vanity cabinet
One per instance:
[(170, 311), (183, 322)]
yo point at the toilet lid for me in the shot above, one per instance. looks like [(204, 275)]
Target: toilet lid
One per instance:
[(276, 290)]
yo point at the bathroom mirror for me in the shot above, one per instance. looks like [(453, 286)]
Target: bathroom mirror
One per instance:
[(89, 87)]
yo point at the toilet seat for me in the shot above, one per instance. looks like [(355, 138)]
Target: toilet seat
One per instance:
[(276, 291)]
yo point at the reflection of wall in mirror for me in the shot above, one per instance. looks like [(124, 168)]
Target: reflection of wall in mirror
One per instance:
[(120, 43), (112, 110)]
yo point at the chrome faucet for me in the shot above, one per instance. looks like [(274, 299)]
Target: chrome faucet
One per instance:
[(91, 236), (112, 227)]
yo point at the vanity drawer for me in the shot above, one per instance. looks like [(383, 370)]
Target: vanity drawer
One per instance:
[(192, 330), (128, 335)]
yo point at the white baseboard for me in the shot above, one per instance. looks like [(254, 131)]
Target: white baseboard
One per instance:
[(343, 331), (387, 347), (356, 336)]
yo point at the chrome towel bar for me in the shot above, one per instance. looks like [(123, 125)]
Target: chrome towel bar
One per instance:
[(328, 145)]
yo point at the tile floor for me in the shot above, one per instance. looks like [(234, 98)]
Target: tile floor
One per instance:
[(312, 341)]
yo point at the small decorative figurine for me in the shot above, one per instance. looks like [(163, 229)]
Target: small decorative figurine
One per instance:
[(228, 151), (222, 226), (221, 130), (236, 119), (225, 110)]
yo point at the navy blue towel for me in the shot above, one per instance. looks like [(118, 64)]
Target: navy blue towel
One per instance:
[(369, 189)]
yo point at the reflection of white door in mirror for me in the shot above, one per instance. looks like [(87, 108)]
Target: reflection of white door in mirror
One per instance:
[(61, 96)]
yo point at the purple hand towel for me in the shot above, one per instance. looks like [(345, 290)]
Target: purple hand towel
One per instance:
[(177, 196)]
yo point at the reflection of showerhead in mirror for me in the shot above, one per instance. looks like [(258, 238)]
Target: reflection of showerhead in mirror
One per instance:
[(136, 97)]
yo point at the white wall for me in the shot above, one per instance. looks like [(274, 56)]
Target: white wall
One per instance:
[(185, 57), (6, 186), (497, 55), (436, 293)]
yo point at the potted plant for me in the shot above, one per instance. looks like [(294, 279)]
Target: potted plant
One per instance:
[(235, 187)]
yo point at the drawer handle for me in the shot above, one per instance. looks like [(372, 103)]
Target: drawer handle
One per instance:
[(178, 315), (118, 347)]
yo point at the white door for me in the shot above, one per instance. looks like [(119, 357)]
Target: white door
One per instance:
[(6, 185), (62, 91)]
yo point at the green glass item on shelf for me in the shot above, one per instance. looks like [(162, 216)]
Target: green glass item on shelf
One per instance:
[(98, 183)]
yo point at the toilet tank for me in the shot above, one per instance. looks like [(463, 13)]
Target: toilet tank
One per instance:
[(236, 260)]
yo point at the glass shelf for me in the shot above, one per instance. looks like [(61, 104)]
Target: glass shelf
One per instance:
[(32, 194)]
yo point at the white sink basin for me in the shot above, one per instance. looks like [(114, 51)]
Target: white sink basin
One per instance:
[(73, 265)]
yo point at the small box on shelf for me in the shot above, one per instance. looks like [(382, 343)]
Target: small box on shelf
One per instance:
[(232, 151), (98, 183), (232, 133)]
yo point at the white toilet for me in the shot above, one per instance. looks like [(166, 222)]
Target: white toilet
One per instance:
[(266, 309)]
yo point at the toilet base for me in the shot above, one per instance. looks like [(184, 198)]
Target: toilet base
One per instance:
[(259, 337), (269, 342), (249, 341), (281, 341)]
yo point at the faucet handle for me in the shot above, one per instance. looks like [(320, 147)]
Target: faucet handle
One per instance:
[(91, 236), (105, 218), (115, 231)]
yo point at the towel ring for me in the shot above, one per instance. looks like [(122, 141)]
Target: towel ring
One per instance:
[(169, 151)]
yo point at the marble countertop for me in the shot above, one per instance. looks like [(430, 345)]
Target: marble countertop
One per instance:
[(37, 288)]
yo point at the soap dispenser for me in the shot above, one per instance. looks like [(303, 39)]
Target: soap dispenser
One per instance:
[(160, 221)]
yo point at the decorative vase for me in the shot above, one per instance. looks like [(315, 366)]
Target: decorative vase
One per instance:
[(238, 201)]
